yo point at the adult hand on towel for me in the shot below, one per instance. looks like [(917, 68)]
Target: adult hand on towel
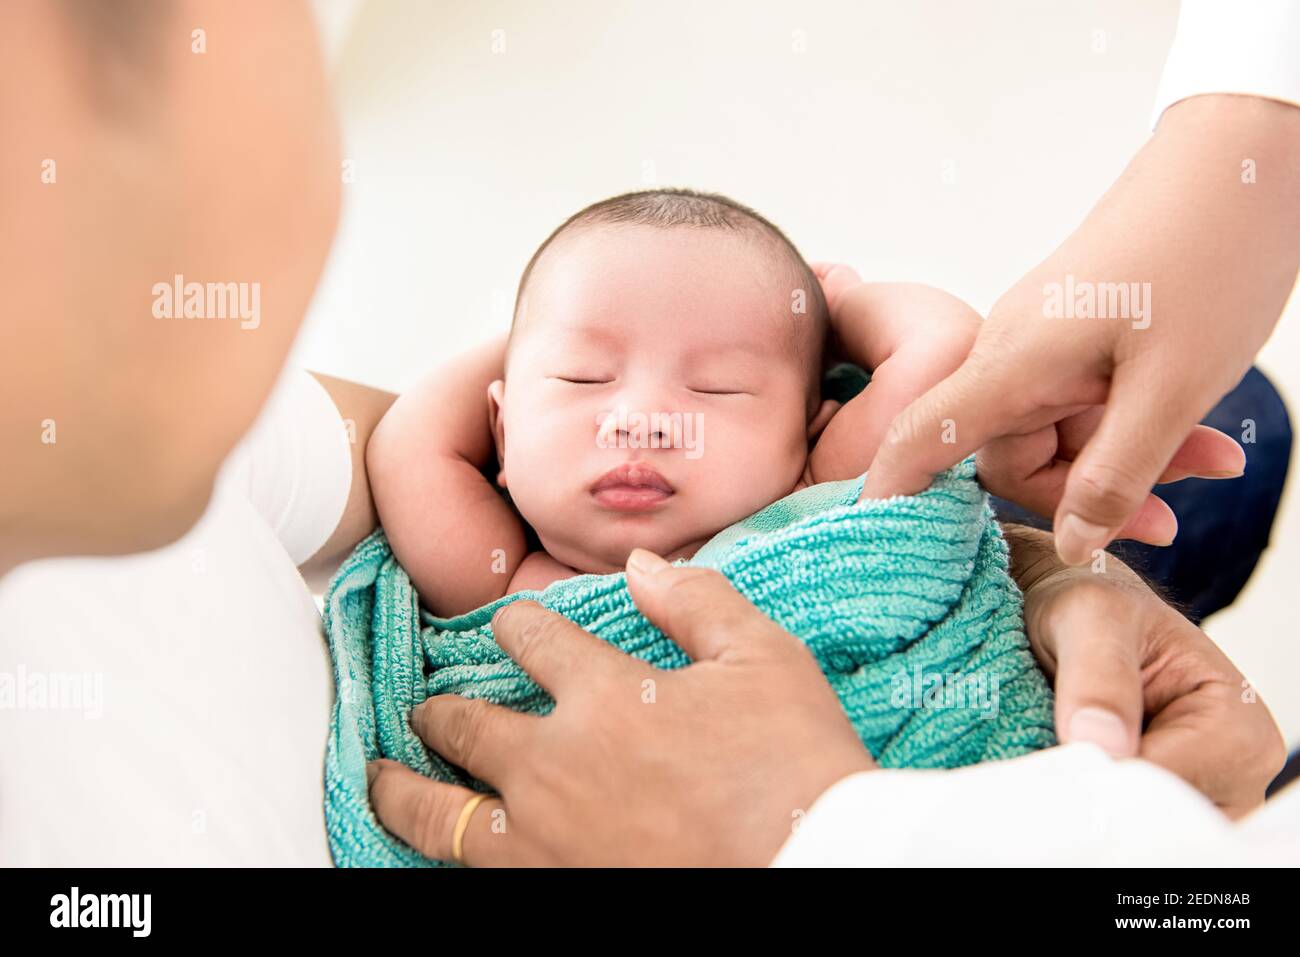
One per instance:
[(1079, 417), (714, 763), (1120, 656), (709, 764)]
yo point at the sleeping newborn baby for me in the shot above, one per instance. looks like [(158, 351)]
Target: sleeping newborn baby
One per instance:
[(661, 381)]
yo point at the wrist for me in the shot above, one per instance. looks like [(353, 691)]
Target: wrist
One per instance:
[(1032, 555), (1042, 576)]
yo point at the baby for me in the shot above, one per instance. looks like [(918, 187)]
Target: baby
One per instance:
[(661, 381)]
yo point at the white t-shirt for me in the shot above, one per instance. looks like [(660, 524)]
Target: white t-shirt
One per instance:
[(172, 707), (1067, 805), (1224, 47)]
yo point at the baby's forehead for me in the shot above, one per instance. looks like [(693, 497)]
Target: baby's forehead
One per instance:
[(694, 284)]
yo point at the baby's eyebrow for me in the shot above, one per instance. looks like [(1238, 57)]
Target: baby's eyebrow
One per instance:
[(564, 335), (581, 331)]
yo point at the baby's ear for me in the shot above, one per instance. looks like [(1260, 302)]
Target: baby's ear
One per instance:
[(823, 417), (496, 396)]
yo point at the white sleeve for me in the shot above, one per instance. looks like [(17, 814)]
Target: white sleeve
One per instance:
[(1067, 805), (295, 465), (1222, 47)]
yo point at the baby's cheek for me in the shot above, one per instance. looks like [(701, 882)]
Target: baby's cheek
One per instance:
[(752, 464), (532, 478)]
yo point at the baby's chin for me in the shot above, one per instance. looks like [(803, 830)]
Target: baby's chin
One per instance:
[(598, 541), (607, 554)]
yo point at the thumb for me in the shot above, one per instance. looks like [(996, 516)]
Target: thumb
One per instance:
[(939, 429), (1120, 464), (699, 609), (1098, 680)]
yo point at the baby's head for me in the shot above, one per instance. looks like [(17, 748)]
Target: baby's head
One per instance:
[(663, 376)]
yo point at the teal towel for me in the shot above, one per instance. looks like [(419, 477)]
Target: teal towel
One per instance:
[(906, 604)]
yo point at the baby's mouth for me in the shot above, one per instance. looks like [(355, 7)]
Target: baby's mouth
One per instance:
[(631, 487)]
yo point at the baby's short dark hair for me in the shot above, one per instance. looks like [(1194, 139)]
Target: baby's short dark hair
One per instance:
[(669, 208)]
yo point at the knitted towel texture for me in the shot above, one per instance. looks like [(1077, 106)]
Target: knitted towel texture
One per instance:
[(905, 603)]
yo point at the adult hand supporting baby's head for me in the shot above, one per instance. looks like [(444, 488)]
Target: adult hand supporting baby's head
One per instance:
[(713, 763)]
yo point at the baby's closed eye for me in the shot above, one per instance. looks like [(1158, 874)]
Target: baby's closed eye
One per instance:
[(581, 379), (718, 390)]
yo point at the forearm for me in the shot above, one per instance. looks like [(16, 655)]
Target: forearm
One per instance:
[(1204, 220), (1047, 583), (1230, 165), (457, 538), (911, 336), (1033, 555), (873, 321), (1035, 563), (850, 440)]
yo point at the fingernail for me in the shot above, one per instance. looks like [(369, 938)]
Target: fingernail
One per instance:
[(372, 772), (645, 562), (1103, 728), (1077, 539), (1224, 475), (496, 615)]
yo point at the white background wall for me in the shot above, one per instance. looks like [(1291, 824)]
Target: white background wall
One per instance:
[(838, 120)]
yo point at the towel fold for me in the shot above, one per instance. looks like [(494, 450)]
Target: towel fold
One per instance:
[(906, 603)]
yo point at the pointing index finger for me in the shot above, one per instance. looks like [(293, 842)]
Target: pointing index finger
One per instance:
[(937, 431)]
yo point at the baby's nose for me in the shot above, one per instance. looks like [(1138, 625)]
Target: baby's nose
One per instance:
[(624, 427)]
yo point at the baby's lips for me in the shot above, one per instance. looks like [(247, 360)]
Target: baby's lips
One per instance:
[(633, 475)]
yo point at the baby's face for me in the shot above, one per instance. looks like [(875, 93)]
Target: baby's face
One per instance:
[(656, 391)]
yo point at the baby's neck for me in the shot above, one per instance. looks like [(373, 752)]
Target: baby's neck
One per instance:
[(540, 569)]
